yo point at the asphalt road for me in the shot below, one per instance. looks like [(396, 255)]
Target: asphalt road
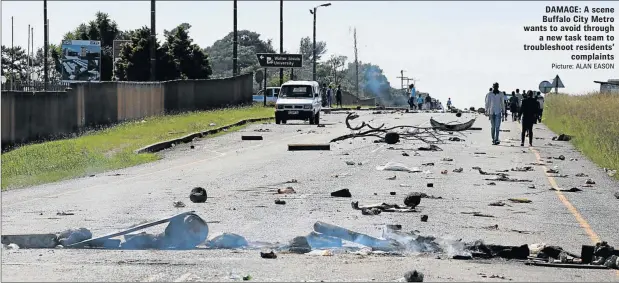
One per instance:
[(240, 177)]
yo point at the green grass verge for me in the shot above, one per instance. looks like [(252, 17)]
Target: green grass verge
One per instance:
[(593, 121), (112, 148)]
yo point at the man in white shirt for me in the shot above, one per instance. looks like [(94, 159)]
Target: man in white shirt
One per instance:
[(495, 107)]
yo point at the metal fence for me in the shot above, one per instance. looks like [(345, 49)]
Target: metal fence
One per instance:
[(35, 86)]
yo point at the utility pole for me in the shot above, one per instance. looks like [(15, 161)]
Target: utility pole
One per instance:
[(28, 56), (234, 45), (313, 12), (45, 45), (31, 49), (356, 64), (402, 79), (153, 42), (12, 56), (281, 38)]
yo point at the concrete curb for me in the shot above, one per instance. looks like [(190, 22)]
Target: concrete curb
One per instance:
[(188, 138)]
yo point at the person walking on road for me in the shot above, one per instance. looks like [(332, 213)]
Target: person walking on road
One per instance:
[(413, 94), (529, 112), (338, 96), (495, 107), (505, 98), (540, 100), (329, 95), (513, 106), (419, 102), (323, 95), (449, 103)]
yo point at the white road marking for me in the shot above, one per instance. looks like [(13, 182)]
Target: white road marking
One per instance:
[(183, 277)]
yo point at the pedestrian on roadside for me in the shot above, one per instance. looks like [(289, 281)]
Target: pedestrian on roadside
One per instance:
[(513, 106), (338, 96), (419, 102), (329, 95), (428, 105), (413, 94), (449, 103), (323, 95), (505, 98), (495, 107), (540, 100), (529, 113)]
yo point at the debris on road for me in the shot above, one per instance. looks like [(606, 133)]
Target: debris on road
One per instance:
[(375, 209), (477, 213), (617, 194), (444, 172), (447, 159), (392, 178), (424, 218), (343, 193), (561, 157), (458, 170), (392, 193), (562, 137), (413, 276), (497, 203), (300, 245), (572, 190), (198, 195), (428, 164), (492, 184), (552, 171), (279, 201), (455, 139), (504, 178), (430, 148), (287, 190), (395, 166), (581, 175), (350, 163), (610, 172), (262, 130), (523, 169), (227, 241), (178, 204), (297, 147), (590, 182), (292, 181), (270, 255), (430, 185), (62, 213), (520, 200), (251, 138)]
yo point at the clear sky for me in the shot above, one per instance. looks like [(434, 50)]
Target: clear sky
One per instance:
[(454, 49)]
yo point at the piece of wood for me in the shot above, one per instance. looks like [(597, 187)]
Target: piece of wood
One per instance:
[(251, 138), (566, 265), (32, 241), (130, 230), (295, 147)]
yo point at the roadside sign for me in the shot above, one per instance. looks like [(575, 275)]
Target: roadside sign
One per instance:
[(545, 87), (273, 60), (557, 83)]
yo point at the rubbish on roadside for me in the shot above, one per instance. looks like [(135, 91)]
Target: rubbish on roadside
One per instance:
[(178, 204), (523, 169), (458, 170), (413, 276), (251, 138), (447, 159), (31, 241), (279, 201), (504, 178), (562, 137), (572, 190), (394, 166), (262, 130), (227, 241), (428, 164), (287, 190), (299, 245), (352, 236), (62, 213), (392, 193), (392, 178), (456, 139), (198, 195), (424, 218), (298, 147), (497, 203), (561, 157), (520, 200), (492, 184), (590, 182), (479, 214), (430, 148), (270, 255), (321, 241), (382, 207), (343, 193), (405, 154), (552, 171), (452, 127), (581, 175), (430, 185), (212, 124), (610, 172), (444, 172)]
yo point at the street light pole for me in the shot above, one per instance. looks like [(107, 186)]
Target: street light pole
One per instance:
[(45, 45), (153, 43), (234, 45), (281, 38), (313, 12), (12, 56)]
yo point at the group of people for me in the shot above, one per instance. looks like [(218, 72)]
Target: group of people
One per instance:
[(526, 108), (327, 93), (418, 102)]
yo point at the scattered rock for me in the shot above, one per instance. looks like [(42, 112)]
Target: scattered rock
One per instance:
[(617, 194), (62, 213), (299, 245), (444, 172), (562, 137), (413, 199), (392, 138), (531, 187), (343, 193), (405, 154), (287, 190), (457, 139), (497, 203), (424, 218), (392, 178), (192, 146), (268, 255), (590, 182), (428, 164), (492, 184), (561, 157), (430, 185), (198, 195), (371, 211), (227, 241), (581, 175), (552, 171), (572, 190), (178, 204), (279, 201), (523, 169), (413, 276), (350, 163), (520, 200), (448, 159), (292, 181), (392, 193)]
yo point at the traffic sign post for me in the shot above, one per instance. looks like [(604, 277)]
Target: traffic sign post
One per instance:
[(545, 87), (557, 84), (273, 60)]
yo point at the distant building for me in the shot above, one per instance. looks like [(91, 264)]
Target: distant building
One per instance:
[(610, 86)]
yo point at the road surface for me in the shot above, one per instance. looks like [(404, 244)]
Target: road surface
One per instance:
[(240, 175)]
